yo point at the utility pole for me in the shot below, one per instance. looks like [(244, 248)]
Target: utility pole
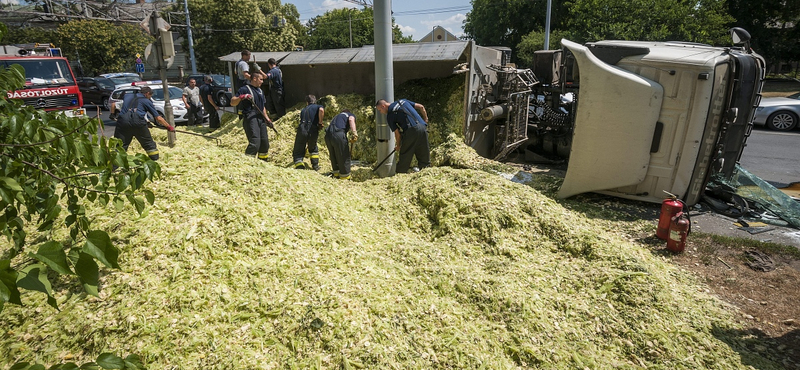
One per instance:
[(350, 21), (547, 27), (189, 35), (384, 82), (155, 23)]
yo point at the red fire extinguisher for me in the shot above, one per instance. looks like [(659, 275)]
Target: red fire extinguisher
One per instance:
[(669, 208), (679, 227)]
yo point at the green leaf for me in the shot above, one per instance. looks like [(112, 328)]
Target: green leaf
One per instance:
[(10, 184), (34, 277), (133, 362), (89, 366), (19, 366), (151, 198), (37, 367), (98, 245), (123, 181), (8, 283), (89, 274), (66, 366), (110, 361), (119, 203), (52, 254)]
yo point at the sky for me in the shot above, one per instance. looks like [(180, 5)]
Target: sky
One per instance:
[(414, 17)]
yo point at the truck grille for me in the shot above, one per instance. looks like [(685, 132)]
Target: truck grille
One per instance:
[(52, 102)]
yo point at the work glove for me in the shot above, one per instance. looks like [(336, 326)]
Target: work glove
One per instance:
[(170, 128), (246, 96), (353, 137)]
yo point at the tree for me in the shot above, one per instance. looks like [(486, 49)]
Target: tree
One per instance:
[(232, 26), (332, 30), (505, 22), (102, 46), (51, 163), (773, 25), (703, 21), (24, 35)]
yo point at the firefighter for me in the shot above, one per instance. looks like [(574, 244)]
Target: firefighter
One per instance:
[(409, 122), (336, 138), (132, 121), (255, 124), (307, 133), (277, 102)]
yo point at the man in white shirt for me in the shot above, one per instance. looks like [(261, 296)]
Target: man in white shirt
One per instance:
[(191, 98)]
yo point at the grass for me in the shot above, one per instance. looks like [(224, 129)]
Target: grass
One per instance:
[(243, 264)]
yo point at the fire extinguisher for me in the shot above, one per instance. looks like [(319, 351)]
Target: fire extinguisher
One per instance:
[(669, 208), (679, 228)]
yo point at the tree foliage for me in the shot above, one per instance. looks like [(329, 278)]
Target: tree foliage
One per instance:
[(102, 46), (332, 30), (773, 25), (703, 21), (51, 165), (506, 22), (232, 26)]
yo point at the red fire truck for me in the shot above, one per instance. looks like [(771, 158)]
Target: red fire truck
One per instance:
[(49, 81)]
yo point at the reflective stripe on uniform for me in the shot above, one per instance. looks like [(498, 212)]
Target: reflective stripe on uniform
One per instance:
[(299, 165), (347, 177), (263, 155), (314, 156), (154, 152)]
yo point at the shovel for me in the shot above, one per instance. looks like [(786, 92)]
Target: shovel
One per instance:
[(261, 113), (384, 160)]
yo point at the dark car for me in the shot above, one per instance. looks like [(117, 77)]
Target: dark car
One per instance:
[(96, 90), (220, 87)]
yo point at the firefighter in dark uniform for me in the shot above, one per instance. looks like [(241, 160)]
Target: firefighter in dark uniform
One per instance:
[(342, 126), (255, 124), (307, 134), (134, 124), (277, 104), (409, 122)]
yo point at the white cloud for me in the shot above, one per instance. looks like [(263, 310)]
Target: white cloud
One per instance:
[(333, 4), (407, 30), (453, 22)]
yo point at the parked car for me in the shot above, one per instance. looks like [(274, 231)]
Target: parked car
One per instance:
[(780, 114), (179, 110), (122, 79), (221, 87), (96, 90)]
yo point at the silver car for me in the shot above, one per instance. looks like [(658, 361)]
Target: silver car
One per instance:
[(778, 114), (179, 110)]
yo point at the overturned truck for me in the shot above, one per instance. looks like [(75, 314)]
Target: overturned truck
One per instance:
[(631, 119)]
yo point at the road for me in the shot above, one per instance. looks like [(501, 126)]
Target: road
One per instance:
[(773, 156)]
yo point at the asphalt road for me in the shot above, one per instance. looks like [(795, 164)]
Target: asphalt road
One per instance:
[(773, 156)]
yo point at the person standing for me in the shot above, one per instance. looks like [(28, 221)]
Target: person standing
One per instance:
[(307, 133), (409, 122), (277, 104), (191, 98), (255, 124), (336, 140), (132, 121), (207, 98)]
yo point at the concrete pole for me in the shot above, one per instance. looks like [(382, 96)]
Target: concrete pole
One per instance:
[(162, 73), (189, 35), (384, 82), (547, 27)]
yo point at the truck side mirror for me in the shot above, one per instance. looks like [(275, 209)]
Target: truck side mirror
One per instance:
[(739, 35)]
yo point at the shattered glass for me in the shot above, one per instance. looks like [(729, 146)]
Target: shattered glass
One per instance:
[(764, 202)]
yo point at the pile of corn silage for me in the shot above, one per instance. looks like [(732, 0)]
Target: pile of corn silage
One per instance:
[(242, 264)]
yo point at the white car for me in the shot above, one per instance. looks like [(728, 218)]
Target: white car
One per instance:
[(179, 110)]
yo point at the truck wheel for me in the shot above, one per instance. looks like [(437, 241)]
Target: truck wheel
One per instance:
[(782, 121)]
